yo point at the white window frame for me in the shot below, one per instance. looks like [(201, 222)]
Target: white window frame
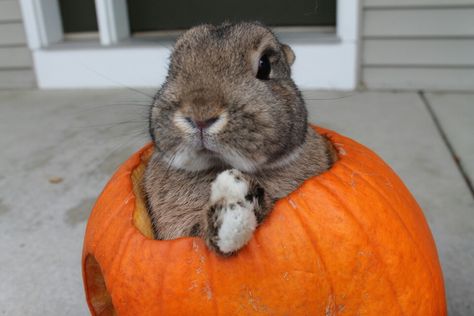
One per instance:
[(116, 61)]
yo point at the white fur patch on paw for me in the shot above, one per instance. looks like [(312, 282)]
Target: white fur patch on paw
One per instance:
[(238, 225), (229, 185)]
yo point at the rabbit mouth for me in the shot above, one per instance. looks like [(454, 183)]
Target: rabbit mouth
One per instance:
[(206, 151), (203, 144)]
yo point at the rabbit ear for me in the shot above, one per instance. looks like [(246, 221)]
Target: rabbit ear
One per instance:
[(289, 54)]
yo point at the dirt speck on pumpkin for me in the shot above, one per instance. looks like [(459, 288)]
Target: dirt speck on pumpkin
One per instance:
[(256, 304), (195, 246), (208, 291), (330, 307), (292, 203), (249, 303), (353, 179), (340, 308), (340, 149), (194, 284), (286, 276)]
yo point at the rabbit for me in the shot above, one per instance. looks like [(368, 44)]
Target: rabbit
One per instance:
[(231, 136)]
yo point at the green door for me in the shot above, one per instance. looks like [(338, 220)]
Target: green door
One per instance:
[(152, 15), (78, 16), (160, 15)]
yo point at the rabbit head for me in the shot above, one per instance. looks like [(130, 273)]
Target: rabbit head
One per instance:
[(228, 99)]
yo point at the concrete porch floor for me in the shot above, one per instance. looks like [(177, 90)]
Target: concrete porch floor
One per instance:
[(80, 137)]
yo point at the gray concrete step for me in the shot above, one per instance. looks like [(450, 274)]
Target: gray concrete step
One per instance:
[(82, 136), (455, 113)]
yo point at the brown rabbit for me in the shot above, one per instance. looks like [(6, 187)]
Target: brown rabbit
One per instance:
[(231, 136)]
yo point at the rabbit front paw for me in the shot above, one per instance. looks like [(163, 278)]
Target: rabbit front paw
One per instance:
[(231, 216)]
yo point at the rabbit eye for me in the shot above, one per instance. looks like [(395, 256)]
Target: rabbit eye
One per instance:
[(264, 68)]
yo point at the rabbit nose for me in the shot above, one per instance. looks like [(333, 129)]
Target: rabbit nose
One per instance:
[(202, 124)]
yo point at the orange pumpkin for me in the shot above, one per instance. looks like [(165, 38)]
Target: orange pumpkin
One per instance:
[(351, 241)]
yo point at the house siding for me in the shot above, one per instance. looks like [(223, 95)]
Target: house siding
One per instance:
[(417, 44), (16, 65)]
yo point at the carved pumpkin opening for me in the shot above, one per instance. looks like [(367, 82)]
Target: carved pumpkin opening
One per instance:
[(99, 297), (141, 218)]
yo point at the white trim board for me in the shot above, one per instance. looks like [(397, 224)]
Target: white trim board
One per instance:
[(42, 21), (320, 64), (112, 18), (101, 67), (325, 66)]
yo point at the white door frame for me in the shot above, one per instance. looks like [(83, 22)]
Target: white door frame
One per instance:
[(321, 62)]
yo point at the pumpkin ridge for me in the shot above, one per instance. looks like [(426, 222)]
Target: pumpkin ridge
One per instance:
[(345, 209), (130, 257), (316, 249), (386, 199), (403, 224), (115, 265), (255, 249), (420, 218), (162, 280), (210, 276), (98, 243), (98, 236)]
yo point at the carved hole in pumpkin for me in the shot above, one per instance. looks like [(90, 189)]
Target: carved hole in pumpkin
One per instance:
[(141, 218), (96, 289)]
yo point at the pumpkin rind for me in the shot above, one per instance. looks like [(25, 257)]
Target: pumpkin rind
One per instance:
[(350, 241)]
